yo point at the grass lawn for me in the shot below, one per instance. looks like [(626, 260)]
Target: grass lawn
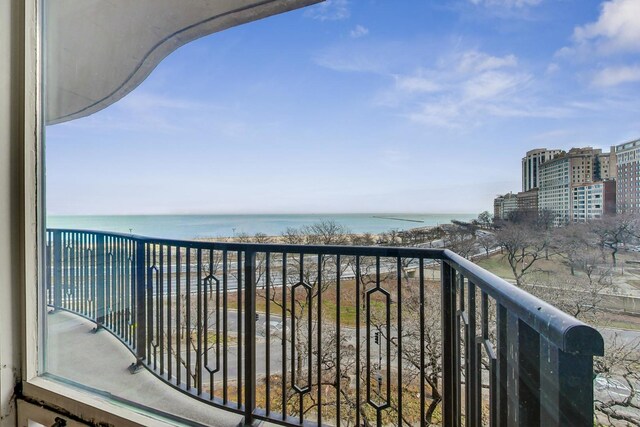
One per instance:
[(498, 265)]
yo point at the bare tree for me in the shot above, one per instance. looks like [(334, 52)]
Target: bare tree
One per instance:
[(614, 231), (487, 241), (571, 242), (461, 239), (313, 276), (620, 367), (581, 295), (365, 239), (325, 233), (389, 238), (256, 238), (523, 248)]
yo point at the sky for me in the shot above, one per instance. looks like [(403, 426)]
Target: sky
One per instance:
[(357, 106)]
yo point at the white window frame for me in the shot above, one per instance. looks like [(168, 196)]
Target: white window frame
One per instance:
[(23, 331), (42, 399)]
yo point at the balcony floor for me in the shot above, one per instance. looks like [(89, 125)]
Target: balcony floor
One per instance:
[(100, 361)]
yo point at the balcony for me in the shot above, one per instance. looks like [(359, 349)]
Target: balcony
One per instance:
[(337, 335)]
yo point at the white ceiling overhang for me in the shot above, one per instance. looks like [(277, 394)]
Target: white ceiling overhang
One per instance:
[(98, 51)]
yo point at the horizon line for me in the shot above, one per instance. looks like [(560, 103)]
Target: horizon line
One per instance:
[(259, 213)]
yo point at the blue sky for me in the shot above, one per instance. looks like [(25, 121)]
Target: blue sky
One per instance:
[(357, 106)]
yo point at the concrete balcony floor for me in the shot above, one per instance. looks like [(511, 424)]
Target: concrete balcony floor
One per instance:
[(100, 361)]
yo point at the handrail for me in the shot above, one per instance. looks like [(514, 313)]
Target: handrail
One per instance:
[(119, 280), (566, 332)]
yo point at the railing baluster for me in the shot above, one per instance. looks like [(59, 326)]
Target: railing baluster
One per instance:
[(423, 405), (71, 283), (319, 346), (48, 270), (65, 272), (539, 373), (338, 341), (155, 307), (108, 279), (566, 387), (267, 328), (131, 285), (141, 303), (169, 317), (57, 270), (528, 375), (449, 387), (199, 322), (85, 276), (473, 388), (121, 284), (399, 308), (179, 333), (523, 383), (483, 340), (575, 389), (358, 400), (239, 268), (160, 314), (225, 327), (285, 395), (101, 303), (188, 315), (457, 358), (250, 336), (94, 277), (125, 292), (502, 400)]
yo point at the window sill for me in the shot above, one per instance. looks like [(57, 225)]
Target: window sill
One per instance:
[(84, 406)]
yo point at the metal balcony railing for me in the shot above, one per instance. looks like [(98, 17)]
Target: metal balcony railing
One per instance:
[(336, 335)]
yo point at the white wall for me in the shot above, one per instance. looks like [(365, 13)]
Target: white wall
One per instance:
[(10, 202)]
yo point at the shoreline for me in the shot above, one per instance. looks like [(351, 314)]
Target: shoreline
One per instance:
[(279, 237), (218, 226)]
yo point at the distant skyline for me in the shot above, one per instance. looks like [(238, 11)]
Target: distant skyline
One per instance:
[(357, 106)]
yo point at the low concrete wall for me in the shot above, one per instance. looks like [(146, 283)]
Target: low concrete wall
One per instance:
[(621, 304)]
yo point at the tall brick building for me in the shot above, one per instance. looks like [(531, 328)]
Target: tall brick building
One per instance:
[(628, 188)]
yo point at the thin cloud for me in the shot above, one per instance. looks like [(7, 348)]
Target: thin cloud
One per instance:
[(359, 62), (552, 68), (553, 135), (461, 89), (362, 56), (359, 31), (330, 10), (474, 61), (417, 84), (491, 84), (613, 76), (445, 114), (506, 3), (465, 88)]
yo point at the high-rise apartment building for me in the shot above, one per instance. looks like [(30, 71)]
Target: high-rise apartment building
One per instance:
[(504, 205), (605, 166), (555, 188), (580, 167), (593, 201), (628, 185), (528, 201), (531, 165)]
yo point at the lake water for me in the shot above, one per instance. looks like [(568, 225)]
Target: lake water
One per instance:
[(193, 226)]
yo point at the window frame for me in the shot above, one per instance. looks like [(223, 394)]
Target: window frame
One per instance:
[(40, 397)]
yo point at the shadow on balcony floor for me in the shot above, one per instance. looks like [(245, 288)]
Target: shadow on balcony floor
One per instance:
[(100, 361)]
